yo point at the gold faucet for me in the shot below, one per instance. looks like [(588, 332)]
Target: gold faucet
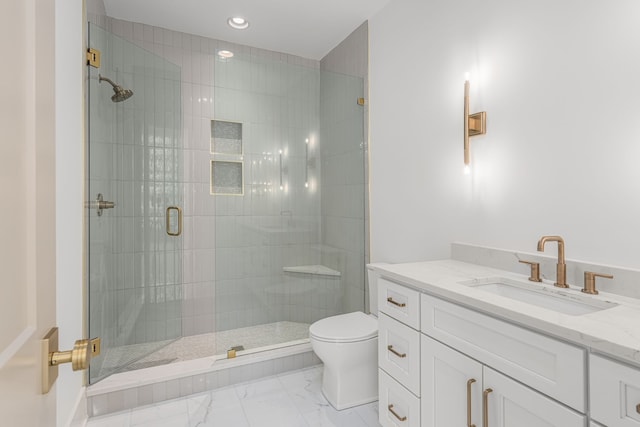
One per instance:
[(561, 279)]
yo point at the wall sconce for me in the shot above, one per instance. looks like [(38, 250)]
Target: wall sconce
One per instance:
[(474, 124)]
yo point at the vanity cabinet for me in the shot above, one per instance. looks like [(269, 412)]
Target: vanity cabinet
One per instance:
[(440, 363), (455, 388), (614, 392)]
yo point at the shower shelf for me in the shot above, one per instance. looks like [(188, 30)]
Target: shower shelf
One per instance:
[(316, 270)]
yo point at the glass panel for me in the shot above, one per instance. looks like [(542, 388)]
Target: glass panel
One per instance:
[(291, 250), (135, 161)]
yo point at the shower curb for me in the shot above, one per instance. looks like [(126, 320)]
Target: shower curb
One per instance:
[(187, 378)]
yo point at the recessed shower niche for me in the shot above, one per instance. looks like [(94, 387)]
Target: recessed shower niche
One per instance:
[(226, 177), (227, 163), (226, 137)]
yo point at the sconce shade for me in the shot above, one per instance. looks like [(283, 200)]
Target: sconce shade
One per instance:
[(474, 124)]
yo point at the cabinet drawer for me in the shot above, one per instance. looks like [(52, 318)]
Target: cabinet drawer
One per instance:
[(399, 352), (555, 368), (398, 407), (615, 393), (399, 302)]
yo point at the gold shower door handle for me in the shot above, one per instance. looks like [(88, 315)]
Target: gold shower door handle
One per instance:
[(168, 216)]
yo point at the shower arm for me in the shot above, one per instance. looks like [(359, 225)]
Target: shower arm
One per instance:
[(100, 79)]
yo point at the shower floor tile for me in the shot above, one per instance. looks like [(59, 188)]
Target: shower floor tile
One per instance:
[(292, 399), (205, 345)]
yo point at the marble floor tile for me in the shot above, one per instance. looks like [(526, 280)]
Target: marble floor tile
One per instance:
[(293, 399)]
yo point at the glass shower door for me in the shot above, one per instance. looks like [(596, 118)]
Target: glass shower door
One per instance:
[(134, 196), (289, 247)]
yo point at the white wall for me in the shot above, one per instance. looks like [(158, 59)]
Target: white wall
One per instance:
[(559, 83), (69, 194)]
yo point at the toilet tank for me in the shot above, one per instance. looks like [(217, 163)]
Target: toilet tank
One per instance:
[(372, 278)]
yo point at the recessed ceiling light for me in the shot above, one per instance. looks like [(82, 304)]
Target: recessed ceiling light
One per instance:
[(225, 54), (238, 23)]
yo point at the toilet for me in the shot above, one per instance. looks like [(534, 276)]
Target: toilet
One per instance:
[(347, 344)]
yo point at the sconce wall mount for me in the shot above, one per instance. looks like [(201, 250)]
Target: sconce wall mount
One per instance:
[(474, 124)]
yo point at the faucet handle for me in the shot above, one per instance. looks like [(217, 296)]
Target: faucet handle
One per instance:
[(535, 270), (590, 281)]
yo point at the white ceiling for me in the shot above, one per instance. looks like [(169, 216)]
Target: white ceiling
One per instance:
[(308, 28)]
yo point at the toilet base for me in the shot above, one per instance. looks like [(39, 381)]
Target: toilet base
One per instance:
[(355, 382), (349, 405)]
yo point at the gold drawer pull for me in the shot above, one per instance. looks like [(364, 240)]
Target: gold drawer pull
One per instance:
[(638, 408), (396, 415), (400, 355), (396, 303), (485, 407), (469, 383)]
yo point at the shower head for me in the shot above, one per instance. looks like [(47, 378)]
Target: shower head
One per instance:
[(120, 93)]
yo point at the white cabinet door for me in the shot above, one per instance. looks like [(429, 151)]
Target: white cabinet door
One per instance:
[(511, 404), (445, 376), (615, 392), (451, 386)]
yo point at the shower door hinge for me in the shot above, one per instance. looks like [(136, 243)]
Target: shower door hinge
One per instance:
[(93, 57)]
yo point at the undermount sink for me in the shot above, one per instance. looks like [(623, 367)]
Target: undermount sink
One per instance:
[(562, 301)]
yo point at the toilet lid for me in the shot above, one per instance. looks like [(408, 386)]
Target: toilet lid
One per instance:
[(348, 327)]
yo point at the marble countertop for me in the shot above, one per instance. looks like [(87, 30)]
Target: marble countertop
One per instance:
[(614, 332)]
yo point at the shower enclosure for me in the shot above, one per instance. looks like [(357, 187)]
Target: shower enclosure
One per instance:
[(238, 193)]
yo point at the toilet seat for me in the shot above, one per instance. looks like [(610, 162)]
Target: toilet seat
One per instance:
[(344, 328)]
